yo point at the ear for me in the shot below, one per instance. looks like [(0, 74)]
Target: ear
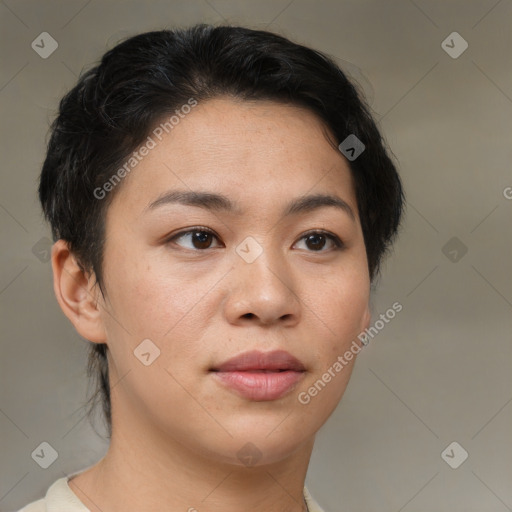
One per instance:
[(77, 295), (367, 318)]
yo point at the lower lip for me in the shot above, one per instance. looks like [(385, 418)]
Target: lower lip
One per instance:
[(260, 386)]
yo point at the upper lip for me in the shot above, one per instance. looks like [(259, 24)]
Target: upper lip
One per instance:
[(256, 360)]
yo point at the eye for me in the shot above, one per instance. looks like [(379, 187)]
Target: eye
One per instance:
[(316, 241), (198, 238), (201, 238)]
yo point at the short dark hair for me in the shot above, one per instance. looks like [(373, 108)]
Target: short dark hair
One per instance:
[(113, 107)]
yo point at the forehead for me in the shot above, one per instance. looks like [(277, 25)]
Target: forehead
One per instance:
[(257, 151)]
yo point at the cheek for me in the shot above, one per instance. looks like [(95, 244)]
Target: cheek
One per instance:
[(338, 315), (149, 299), (340, 306), (339, 312)]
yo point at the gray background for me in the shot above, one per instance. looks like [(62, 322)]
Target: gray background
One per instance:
[(438, 372)]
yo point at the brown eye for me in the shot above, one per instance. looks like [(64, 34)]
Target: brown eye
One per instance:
[(316, 241), (201, 239), (196, 239)]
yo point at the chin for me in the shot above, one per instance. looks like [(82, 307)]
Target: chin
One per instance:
[(256, 446)]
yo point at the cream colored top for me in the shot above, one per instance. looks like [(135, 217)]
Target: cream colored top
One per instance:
[(60, 498)]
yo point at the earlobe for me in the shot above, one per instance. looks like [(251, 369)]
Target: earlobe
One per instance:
[(76, 294)]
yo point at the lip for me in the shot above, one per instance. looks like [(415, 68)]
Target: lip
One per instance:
[(260, 376)]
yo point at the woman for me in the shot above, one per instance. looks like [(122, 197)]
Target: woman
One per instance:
[(220, 200)]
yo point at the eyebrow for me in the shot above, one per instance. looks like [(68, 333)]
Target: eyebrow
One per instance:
[(218, 202)]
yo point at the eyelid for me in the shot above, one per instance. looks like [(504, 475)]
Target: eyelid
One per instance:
[(189, 230)]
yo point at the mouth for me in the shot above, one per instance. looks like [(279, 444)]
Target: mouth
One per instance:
[(260, 376)]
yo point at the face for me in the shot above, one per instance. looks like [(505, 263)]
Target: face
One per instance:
[(245, 297)]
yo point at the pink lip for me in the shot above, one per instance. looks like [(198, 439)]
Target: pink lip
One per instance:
[(261, 376)]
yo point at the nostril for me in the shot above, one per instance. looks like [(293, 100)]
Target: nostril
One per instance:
[(249, 315)]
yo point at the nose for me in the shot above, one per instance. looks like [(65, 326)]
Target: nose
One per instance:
[(263, 292)]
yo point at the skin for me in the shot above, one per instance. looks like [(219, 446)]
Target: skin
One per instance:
[(176, 431)]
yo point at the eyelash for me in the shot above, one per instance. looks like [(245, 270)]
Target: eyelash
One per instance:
[(336, 240)]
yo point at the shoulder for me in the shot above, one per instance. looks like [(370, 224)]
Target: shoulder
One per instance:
[(35, 506), (59, 498), (313, 506)]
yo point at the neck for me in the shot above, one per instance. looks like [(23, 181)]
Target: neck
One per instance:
[(155, 472)]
